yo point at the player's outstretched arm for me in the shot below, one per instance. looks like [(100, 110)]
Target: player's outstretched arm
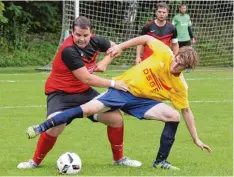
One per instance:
[(90, 79), (189, 120), (141, 40), (139, 50), (103, 64)]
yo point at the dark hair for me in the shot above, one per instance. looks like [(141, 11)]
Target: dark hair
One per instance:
[(162, 5), (82, 22)]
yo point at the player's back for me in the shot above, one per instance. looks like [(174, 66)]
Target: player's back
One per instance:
[(152, 78), (141, 78)]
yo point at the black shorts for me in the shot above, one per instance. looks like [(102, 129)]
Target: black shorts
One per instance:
[(184, 43), (60, 101)]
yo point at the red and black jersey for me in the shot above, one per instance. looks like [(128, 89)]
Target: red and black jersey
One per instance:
[(69, 58), (164, 33)]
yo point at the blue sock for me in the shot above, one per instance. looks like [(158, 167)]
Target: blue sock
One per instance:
[(61, 118), (167, 140)]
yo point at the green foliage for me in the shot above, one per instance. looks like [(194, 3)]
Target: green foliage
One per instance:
[(16, 30), (22, 41), (38, 52), (26, 18), (2, 18), (46, 16)]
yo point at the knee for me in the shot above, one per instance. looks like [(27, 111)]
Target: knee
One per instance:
[(112, 119), (116, 122), (88, 111), (56, 131), (176, 116)]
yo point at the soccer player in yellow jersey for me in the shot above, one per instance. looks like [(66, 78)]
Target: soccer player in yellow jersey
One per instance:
[(152, 81)]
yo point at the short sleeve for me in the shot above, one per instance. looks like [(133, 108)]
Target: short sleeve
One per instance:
[(180, 100), (104, 44), (72, 59), (174, 36), (144, 30)]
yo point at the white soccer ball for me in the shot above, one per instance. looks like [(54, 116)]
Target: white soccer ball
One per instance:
[(69, 163)]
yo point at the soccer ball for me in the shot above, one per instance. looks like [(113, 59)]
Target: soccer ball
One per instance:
[(69, 163)]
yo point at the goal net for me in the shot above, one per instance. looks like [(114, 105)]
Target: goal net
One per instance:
[(120, 20)]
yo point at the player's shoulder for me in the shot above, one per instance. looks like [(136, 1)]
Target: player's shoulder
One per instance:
[(169, 25), (67, 42), (97, 38), (94, 38), (69, 50), (149, 23), (177, 15), (188, 16)]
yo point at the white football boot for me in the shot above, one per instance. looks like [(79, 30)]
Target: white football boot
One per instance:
[(27, 165), (125, 161)]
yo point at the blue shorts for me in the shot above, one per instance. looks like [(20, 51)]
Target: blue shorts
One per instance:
[(128, 103)]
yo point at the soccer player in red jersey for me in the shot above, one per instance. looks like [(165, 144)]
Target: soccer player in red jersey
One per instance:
[(69, 86), (160, 29)]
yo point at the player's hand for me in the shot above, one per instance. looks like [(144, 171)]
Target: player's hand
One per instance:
[(193, 41), (120, 85), (138, 60), (114, 51), (203, 146), (112, 43), (100, 67)]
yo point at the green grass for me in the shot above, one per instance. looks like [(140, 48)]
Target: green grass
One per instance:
[(214, 121)]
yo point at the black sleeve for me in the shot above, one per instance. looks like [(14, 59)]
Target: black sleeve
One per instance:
[(190, 32), (174, 36), (72, 59), (103, 43), (144, 30)]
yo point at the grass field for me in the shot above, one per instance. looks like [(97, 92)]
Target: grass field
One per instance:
[(22, 103)]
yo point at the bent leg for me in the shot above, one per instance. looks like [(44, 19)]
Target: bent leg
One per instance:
[(162, 112), (90, 108), (171, 117), (47, 141), (68, 115)]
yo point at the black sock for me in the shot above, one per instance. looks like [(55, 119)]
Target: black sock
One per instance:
[(167, 140), (61, 118)]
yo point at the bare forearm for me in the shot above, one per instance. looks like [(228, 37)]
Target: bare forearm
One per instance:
[(84, 76), (141, 40), (97, 81), (106, 60), (175, 48), (190, 123), (139, 51)]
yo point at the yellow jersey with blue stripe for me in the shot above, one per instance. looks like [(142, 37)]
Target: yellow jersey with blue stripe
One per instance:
[(152, 78)]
